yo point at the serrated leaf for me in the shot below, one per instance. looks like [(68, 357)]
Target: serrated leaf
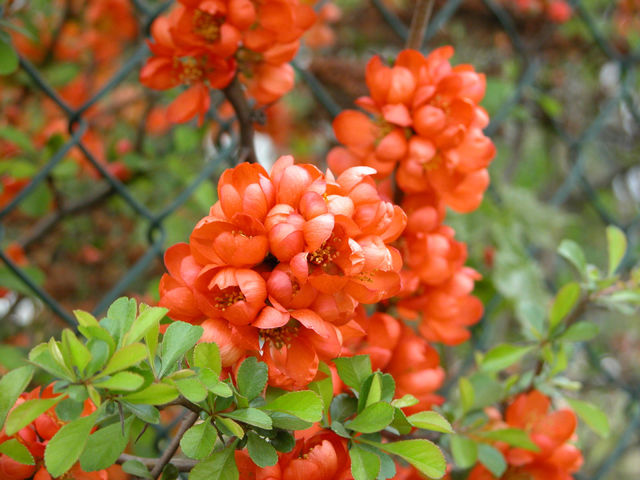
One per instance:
[(430, 421), (422, 454), (512, 436), (179, 337), (136, 468), (207, 355), (574, 254), (199, 440), (371, 391), (262, 453), (11, 387), (154, 394), (616, 246), (220, 466), (17, 451), (374, 418), (145, 322), (595, 418), (365, 465), (503, 356), (122, 312), (252, 377), (125, 357), (232, 428), (353, 370), (400, 422), (124, 381), (324, 387), (25, 413), (191, 389), (105, 446), (580, 332), (492, 459), (146, 413), (305, 405), (213, 383), (85, 319), (64, 449), (250, 416), (464, 451), (564, 303)]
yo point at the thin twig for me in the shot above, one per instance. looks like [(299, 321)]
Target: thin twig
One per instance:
[(238, 101), (183, 402), (173, 446), (419, 22), (182, 464)]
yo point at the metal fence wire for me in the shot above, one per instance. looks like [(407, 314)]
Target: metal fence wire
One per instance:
[(530, 62)]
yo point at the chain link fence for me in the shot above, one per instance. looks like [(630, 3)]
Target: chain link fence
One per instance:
[(530, 56)]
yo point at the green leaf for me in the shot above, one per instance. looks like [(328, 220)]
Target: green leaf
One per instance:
[(211, 381), (207, 355), (306, 405), (464, 450), (564, 303), (191, 389), (503, 356), (105, 446), (75, 349), (580, 332), (27, 412), (146, 413), (283, 441), (374, 418), (513, 436), (467, 395), (64, 449), (124, 381), (16, 450), (122, 313), (136, 468), (342, 407), (8, 58), (11, 387), (400, 422), (353, 370), (9, 280), (100, 352), (616, 246), (574, 254), (146, 321), (261, 452), (251, 416), (371, 391), (595, 418), (288, 422), (229, 427), (69, 409), (125, 357), (430, 421), (220, 466), (407, 400), (365, 465), (63, 362), (85, 319), (154, 394), (324, 387), (199, 440), (422, 454), (252, 377), (492, 459), (179, 337)]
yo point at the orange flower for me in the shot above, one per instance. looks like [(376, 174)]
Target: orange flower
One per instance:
[(556, 459)]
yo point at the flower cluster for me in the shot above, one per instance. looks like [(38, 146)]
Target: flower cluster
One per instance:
[(281, 263), (35, 437), (427, 128), (203, 43), (551, 432)]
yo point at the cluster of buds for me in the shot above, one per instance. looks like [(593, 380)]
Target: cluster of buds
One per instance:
[(203, 43), (427, 129), (281, 263), (35, 437)]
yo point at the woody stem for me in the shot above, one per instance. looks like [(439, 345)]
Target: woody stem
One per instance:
[(187, 423), (419, 23), (238, 101)]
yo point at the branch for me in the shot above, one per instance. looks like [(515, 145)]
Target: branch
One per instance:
[(173, 446), (182, 464), (183, 402), (238, 101), (419, 23)]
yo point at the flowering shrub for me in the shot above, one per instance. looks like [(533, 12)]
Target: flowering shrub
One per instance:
[(304, 330)]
